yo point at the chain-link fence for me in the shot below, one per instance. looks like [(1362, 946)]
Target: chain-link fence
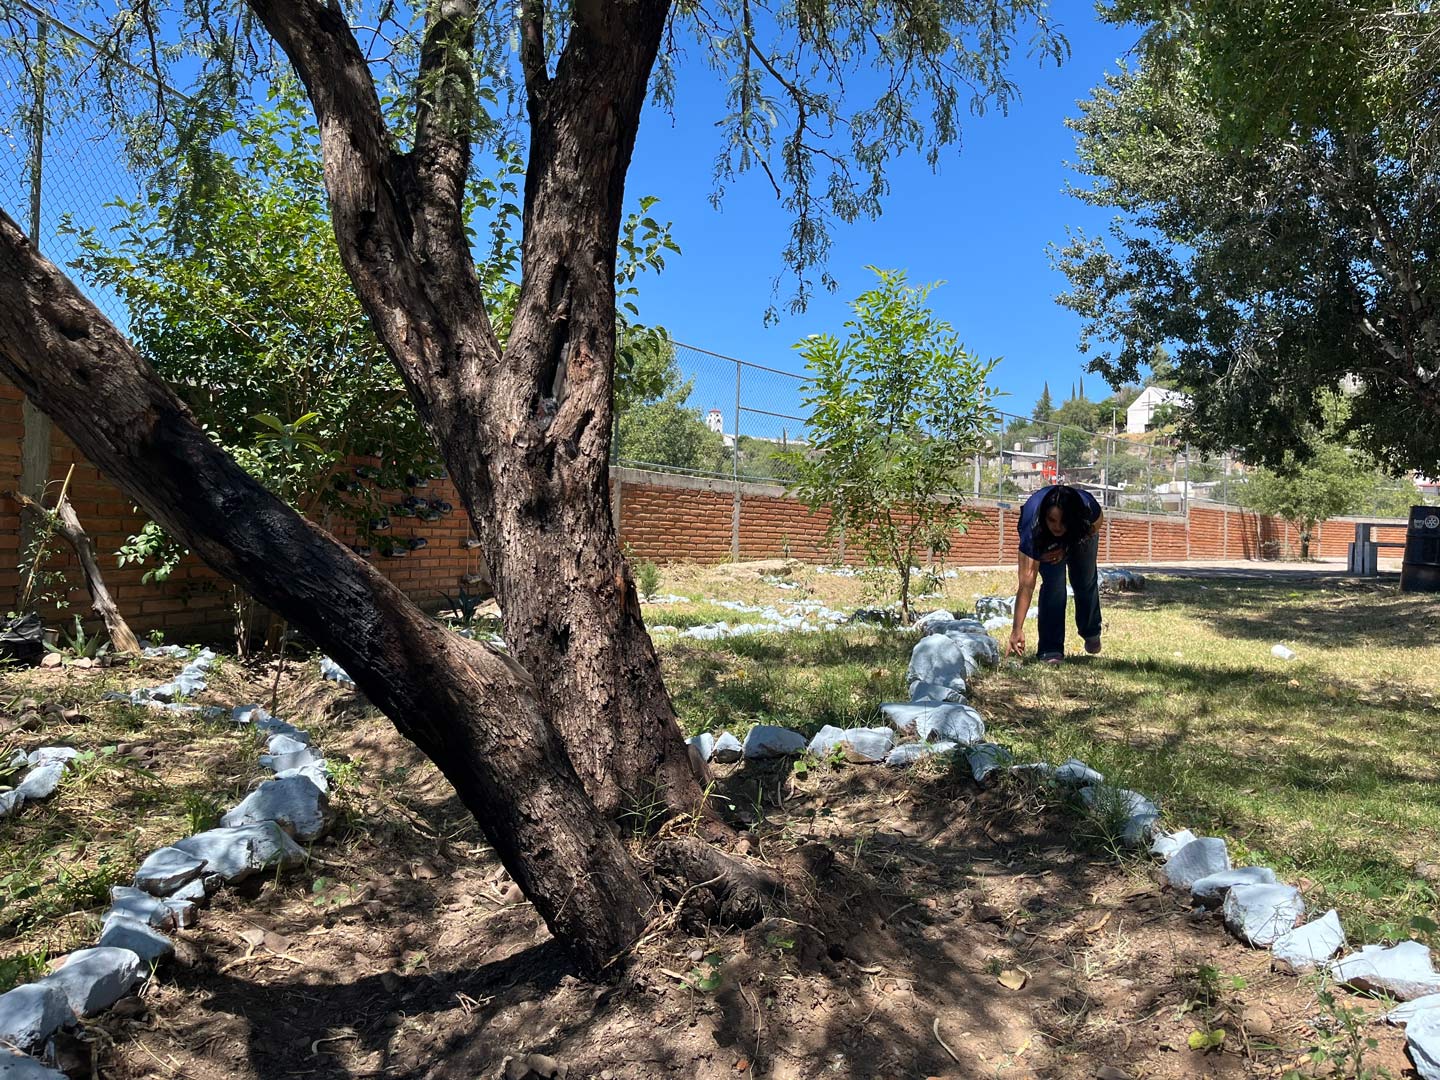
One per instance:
[(64, 166)]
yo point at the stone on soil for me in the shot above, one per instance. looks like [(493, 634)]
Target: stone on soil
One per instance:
[(144, 941), (769, 741), (985, 759), (1074, 771), (1212, 888), (981, 650), (316, 774), (1167, 844), (1412, 1010), (1259, 914), (1307, 947), (285, 762), (94, 979), (935, 694), (41, 782), (295, 803), (30, 1014), (52, 755), (910, 753), (703, 744), (924, 622), (869, 744), (235, 853), (727, 749), (1422, 1040), (1404, 971), (1138, 814), (167, 869), (288, 744), (1198, 859)]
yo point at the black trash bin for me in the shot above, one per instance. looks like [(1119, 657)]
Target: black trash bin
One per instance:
[(1420, 571)]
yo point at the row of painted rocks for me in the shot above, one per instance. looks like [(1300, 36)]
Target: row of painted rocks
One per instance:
[(804, 617), (258, 836), (45, 767)]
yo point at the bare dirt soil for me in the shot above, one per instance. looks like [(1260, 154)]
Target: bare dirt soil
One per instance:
[(958, 933)]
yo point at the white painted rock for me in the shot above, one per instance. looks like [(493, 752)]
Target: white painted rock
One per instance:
[(248, 714), (288, 744), (30, 1014), (1074, 771), (20, 1067), (954, 626), (316, 774), (94, 979), (727, 749), (1198, 859), (934, 694), (870, 744), (924, 622), (986, 758), (235, 853), (296, 804), (296, 759), (1212, 888), (703, 744), (951, 723), (939, 660), (770, 741), (41, 782), (167, 869), (52, 755), (910, 753), (1167, 844), (1307, 947), (1259, 914), (1422, 1040), (333, 672), (1404, 971), (144, 941), (981, 650), (1411, 1010)]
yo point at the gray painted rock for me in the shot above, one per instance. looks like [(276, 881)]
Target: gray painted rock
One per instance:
[(144, 941), (315, 773), (333, 672), (235, 853), (868, 744), (769, 741), (954, 626), (248, 714), (30, 1014), (1403, 1014), (52, 755), (1307, 947), (285, 762), (19, 1067), (10, 801), (1259, 914), (41, 782), (981, 650), (136, 904), (994, 607), (727, 749), (1167, 844), (1198, 859), (296, 804), (703, 744), (1422, 1039), (1139, 814), (94, 979), (939, 660), (1404, 971), (1115, 579), (910, 753), (951, 723), (935, 694), (1074, 771), (1212, 888), (167, 869), (986, 758), (192, 892)]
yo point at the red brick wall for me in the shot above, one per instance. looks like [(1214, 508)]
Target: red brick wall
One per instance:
[(662, 518)]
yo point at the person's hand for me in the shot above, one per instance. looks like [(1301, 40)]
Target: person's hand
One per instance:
[(1017, 642), (1054, 555)]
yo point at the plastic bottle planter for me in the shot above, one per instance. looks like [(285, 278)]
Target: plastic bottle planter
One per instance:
[(414, 502), (380, 524), (413, 481), (363, 550), (470, 544), (415, 543), (367, 472), (342, 484), (440, 506), (392, 550)]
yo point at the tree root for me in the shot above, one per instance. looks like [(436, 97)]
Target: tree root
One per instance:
[(709, 887)]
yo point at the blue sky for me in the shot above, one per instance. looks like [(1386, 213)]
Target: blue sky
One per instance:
[(981, 223)]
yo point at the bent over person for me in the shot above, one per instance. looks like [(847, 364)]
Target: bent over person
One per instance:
[(1058, 527)]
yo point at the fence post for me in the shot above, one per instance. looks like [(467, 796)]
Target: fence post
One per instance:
[(735, 475), (1109, 466), (35, 425)]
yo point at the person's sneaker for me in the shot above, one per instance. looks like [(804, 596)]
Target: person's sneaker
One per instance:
[(1051, 658), (1092, 645)]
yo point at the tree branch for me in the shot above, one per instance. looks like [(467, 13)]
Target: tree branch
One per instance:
[(532, 52)]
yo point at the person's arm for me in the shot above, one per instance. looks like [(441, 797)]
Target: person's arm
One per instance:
[(1029, 570)]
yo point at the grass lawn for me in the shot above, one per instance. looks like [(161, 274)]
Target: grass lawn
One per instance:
[(1324, 767)]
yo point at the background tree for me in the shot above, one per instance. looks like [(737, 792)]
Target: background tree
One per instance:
[(549, 743), (1327, 483), (1277, 185), (896, 411), (1044, 407)]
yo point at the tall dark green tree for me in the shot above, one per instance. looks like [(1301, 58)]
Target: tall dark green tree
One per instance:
[(1044, 407)]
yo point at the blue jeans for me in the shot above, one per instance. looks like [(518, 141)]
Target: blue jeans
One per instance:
[(1085, 580)]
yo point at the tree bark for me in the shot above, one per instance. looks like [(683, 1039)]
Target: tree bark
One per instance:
[(68, 522), (524, 429), (470, 709)]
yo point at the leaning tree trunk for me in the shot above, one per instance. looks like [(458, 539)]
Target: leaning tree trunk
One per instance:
[(524, 429), (470, 709)]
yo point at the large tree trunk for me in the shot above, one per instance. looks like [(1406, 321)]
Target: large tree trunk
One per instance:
[(470, 709), (524, 429)]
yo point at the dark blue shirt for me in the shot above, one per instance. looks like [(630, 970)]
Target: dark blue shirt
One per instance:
[(1031, 510)]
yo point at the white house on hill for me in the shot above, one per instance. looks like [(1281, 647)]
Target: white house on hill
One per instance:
[(1140, 416)]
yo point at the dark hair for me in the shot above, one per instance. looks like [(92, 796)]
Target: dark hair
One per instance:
[(1073, 512)]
